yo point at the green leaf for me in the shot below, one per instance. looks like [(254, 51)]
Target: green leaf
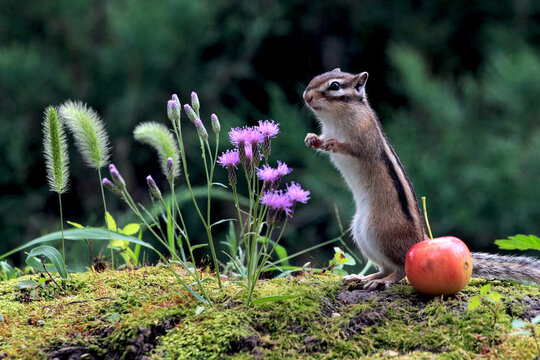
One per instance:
[(518, 324), (281, 253), (54, 257), (76, 225), (522, 332), (194, 247), (26, 284), (130, 229), (221, 221), (519, 242), (474, 302), (7, 271), (199, 310), (109, 220), (495, 296), (274, 298), (220, 184), (78, 235), (485, 289)]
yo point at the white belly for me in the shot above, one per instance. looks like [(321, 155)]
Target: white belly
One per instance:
[(363, 235)]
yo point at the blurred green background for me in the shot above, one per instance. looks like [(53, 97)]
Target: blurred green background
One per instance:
[(456, 85)]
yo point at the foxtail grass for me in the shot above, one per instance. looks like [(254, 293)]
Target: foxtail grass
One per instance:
[(56, 159), (91, 140)]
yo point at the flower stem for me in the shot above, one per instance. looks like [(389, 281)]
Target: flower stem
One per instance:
[(62, 226), (106, 223), (425, 215)]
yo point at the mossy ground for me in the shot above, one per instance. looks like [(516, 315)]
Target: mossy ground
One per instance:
[(145, 312)]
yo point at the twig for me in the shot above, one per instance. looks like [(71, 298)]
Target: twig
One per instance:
[(50, 276), (88, 300)]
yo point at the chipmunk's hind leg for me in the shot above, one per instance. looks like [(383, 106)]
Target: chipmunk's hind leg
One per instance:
[(362, 278)]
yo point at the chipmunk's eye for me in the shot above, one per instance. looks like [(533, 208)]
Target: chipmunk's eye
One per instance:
[(334, 86)]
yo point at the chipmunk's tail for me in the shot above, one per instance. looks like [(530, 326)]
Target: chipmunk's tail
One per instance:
[(505, 267)]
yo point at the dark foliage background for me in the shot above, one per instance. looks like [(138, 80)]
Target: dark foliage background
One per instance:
[(456, 86)]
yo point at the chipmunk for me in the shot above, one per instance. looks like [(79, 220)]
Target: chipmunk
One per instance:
[(388, 219)]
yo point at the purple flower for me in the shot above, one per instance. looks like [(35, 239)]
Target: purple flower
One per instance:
[(190, 113), (283, 169), (153, 188), (216, 127), (108, 184), (201, 130), (117, 178), (170, 169), (245, 135), (229, 158), (266, 173), (276, 200), (296, 193), (195, 102), (268, 128)]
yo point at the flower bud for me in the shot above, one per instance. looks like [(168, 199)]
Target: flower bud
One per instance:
[(170, 169), (117, 178), (216, 127), (195, 102), (173, 111), (201, 130), (107, 184), (190, 113), (175, 98), (153, 189)]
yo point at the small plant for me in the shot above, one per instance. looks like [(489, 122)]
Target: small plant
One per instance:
[(527, 328), (7, 272), (36, 259), (519, 242), (490, 299), (56, 159)]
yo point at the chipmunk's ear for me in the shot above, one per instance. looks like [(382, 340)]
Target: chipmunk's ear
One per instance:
[(336, 70), (359, 81)]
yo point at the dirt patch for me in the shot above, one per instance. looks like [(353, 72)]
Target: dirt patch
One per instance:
[(138, 347)]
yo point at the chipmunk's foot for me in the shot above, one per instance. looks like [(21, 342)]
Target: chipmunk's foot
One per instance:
[(385, 281), (363, 278), (373, 281), (331, 145)]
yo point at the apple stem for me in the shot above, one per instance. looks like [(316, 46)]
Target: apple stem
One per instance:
[(425, 215)]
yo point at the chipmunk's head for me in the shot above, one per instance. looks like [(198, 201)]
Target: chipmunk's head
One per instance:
[(334, 92)]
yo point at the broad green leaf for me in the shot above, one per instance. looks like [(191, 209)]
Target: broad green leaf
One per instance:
[(76, 225), (495, 296), (274, 298), (78, 235), (518, 324), (519, 242), (54, 257), (281, 252), (131, 229), (485, 289), (474, 302), (26, 284), (109, 220)]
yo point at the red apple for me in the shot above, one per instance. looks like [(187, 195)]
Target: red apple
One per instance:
[(441, 266)]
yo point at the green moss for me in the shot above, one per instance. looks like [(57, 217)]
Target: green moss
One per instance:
[(105, 311)]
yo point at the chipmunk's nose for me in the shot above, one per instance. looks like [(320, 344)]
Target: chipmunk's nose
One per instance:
[(308, 98)]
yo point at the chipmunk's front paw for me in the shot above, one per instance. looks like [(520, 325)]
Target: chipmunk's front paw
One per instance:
[(313, 141), (330, 145)]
